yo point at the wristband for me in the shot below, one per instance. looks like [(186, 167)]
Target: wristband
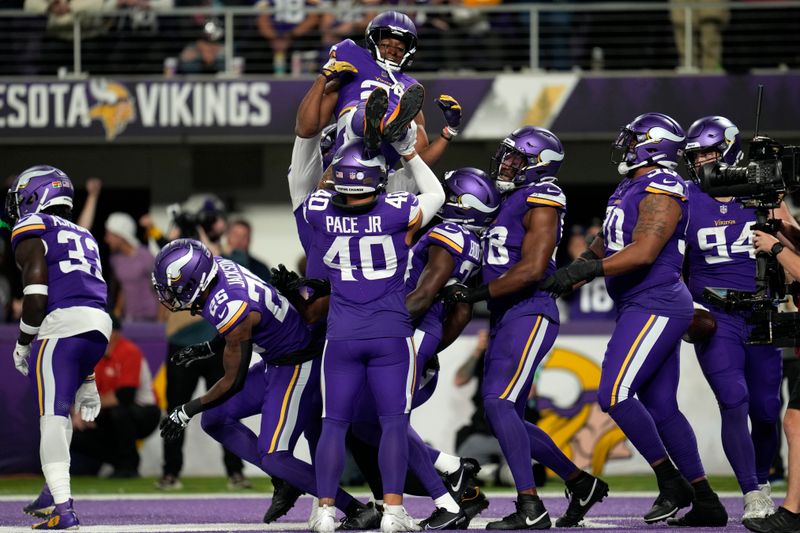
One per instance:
[(776, 249), (193, 407), (89, 378), (589, 255), (35, 288), (28, 330)]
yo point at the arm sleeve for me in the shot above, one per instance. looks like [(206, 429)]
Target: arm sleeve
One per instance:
[(305, 170), (431, 194)]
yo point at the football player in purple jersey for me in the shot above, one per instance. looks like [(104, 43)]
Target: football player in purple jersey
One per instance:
[(64, 329), (745, 378), (250, 315), (518, 252), (641, 255), (363, 236)]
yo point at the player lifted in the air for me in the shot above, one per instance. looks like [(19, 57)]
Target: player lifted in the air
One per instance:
[(250, 315), (64, 328), (363, 236), (641, 255), (518, 252), (745, 378)]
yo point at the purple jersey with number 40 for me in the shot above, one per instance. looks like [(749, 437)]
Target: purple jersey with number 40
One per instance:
[(74, 274), (465, 249), (502, 249), (236, 292), (369, 76), (366, 259), (656, 288), (720, 249)]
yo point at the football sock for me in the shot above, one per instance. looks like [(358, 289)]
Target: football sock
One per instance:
[(419, 462), (738, 446), (54, 454), (637, 424), (765, 439), (444, 462), (679, 440), (666, 471), (393, 453), (703, 491), (544, 450), (446, 502), (510, 432)]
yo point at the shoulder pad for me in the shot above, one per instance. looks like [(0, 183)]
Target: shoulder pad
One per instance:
[(664, 182), (32, 225), (545, 195), (447, 236)]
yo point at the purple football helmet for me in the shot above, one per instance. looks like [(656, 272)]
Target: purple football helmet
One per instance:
[(716, 135), (652, 139), (470, 198), (326, 143), (392, 25), (353, 173), (183, 269), (528, 155), (36, 189)]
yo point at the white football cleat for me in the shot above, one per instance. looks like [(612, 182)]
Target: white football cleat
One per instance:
[(395, 518), (757, 505), (324, 521)]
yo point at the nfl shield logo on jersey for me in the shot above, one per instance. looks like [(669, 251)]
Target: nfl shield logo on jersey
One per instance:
[(723, 209)]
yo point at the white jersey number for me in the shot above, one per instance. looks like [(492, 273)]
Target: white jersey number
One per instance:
[(338, 257), (612, 229), (714, 244), (497, 253), (78, 246)]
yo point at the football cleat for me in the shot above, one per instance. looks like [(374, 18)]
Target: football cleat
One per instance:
[(459, 481), (324, 520), (530, 514), (444, 519), (704, 513), (237, 481), (781, 521), (674, 494), (168, 482), (367, 517), (473, 503), (42, 506), (374, 113), (582, 494), (757, 505), (395, 125), (395, 518), (284, 496), (62, 517)]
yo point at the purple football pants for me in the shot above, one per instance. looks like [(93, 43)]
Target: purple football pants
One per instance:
[(516, 347), (59, 366), (387, 367), (639, 385), (746, 381)]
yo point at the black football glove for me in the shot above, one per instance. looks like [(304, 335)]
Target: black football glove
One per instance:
[(173, 425), (283, 278), (451, 110), (321, 287), (191, 354), (563, 279), (458, 293)]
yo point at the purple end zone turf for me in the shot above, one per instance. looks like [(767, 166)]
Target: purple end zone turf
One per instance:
[(621, 513)]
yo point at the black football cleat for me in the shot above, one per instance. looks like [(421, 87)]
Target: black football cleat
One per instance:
[(374, 114), (462, 479), (395, 125), (284, 496), (781, 521), (530, 514), (473, 503), (444, 519), (705, 513), (367, 517), (582, 494), (674, 494)]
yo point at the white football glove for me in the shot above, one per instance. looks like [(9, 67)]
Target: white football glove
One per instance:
[(87, 401), (22, 354), (405, 146)]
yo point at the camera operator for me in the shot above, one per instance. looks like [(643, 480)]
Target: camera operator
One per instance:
[(201, 217), (745, 378)]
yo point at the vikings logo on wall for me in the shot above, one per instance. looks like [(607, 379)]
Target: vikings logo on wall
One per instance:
[(115, 107), (587, 435)]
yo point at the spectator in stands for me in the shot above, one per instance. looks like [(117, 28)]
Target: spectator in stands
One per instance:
[(707, 25), (132, 265), (128, 412), (290, 29), (206, 55), (340, 24), (139, 45), (93, 188), (238, 237)]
